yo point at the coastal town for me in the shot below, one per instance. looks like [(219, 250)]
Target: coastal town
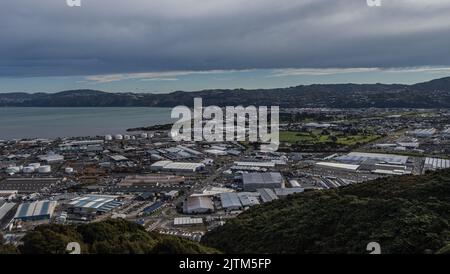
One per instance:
[(188, 188)]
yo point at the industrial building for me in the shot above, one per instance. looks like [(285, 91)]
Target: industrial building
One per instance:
[(198, 205), (423, 133), (118, 158), (230, 201), (255, 164), (6, 212), (216, 152), (87, 145), (51, 158), (249, 199), (435, 164), (267, 195), (8, 195), (212, 191), (253, 181), (358, 158), (28, 185), (284, 192), (187, 221), (170, 166), (348, 167), (151, 182), (35, 211), (93, 204)]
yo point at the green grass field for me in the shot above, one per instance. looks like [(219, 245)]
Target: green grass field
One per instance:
[(312, 138)]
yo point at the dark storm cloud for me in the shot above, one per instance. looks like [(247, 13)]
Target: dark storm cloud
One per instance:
[(47, 38)]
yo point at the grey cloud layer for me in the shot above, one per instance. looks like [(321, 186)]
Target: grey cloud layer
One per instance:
[(47, 38)]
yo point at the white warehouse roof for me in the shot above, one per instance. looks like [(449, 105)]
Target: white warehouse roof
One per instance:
[(256, 164), (359, 157), (187, 221), (338, 165), (35, 209), (177, 166)]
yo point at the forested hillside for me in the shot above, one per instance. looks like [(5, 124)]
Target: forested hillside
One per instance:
[(407, 214)]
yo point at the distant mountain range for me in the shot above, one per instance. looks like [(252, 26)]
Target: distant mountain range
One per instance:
[(432, 94)]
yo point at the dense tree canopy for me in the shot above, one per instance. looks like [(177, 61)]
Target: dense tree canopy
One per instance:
[(107, 237)]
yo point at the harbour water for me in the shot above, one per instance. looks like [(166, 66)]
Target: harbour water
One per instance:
[(22, 122)]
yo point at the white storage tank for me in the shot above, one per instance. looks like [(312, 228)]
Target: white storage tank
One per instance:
[(119, 137), (45, 169), (68, 170), (144, 135), (28, 169), (108, 138), (127, 137)]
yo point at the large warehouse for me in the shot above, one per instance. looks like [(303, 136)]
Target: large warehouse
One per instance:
[(357, 158), (93, 204), (40, 210), (230, 201), (198, 205), (177, 166), (151, 182), (254, 181), (28, 185)]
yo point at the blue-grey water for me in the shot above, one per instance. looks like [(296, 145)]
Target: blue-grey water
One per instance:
[(18, 123)]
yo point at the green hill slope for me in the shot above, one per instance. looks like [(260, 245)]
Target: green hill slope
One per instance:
[(407, 214), (107, 237)]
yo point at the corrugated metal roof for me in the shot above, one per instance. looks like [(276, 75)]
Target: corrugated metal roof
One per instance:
[(230, 200), (35, 209), (267, 195)]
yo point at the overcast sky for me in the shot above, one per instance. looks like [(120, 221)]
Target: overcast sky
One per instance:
[(165, 45)]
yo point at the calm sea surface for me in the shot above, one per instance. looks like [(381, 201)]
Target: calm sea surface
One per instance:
[(74, 122)]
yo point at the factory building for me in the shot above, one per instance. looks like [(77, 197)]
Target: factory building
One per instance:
[(170, 166), (435, 164), (358, 158), (28, 185), (284, 192), (267, 195), (6, 212), (249, 199), (254, 181), (187, 221), (216, 152), (144, 183), (8, 195), (93, 204), (35, 211), (88, 145), (341, 166), (230, 201), (255, 164), (198, 205), (51, 158), (118, 158), (423, 133)]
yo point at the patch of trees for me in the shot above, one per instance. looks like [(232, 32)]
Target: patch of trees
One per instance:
[(107, 237)]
